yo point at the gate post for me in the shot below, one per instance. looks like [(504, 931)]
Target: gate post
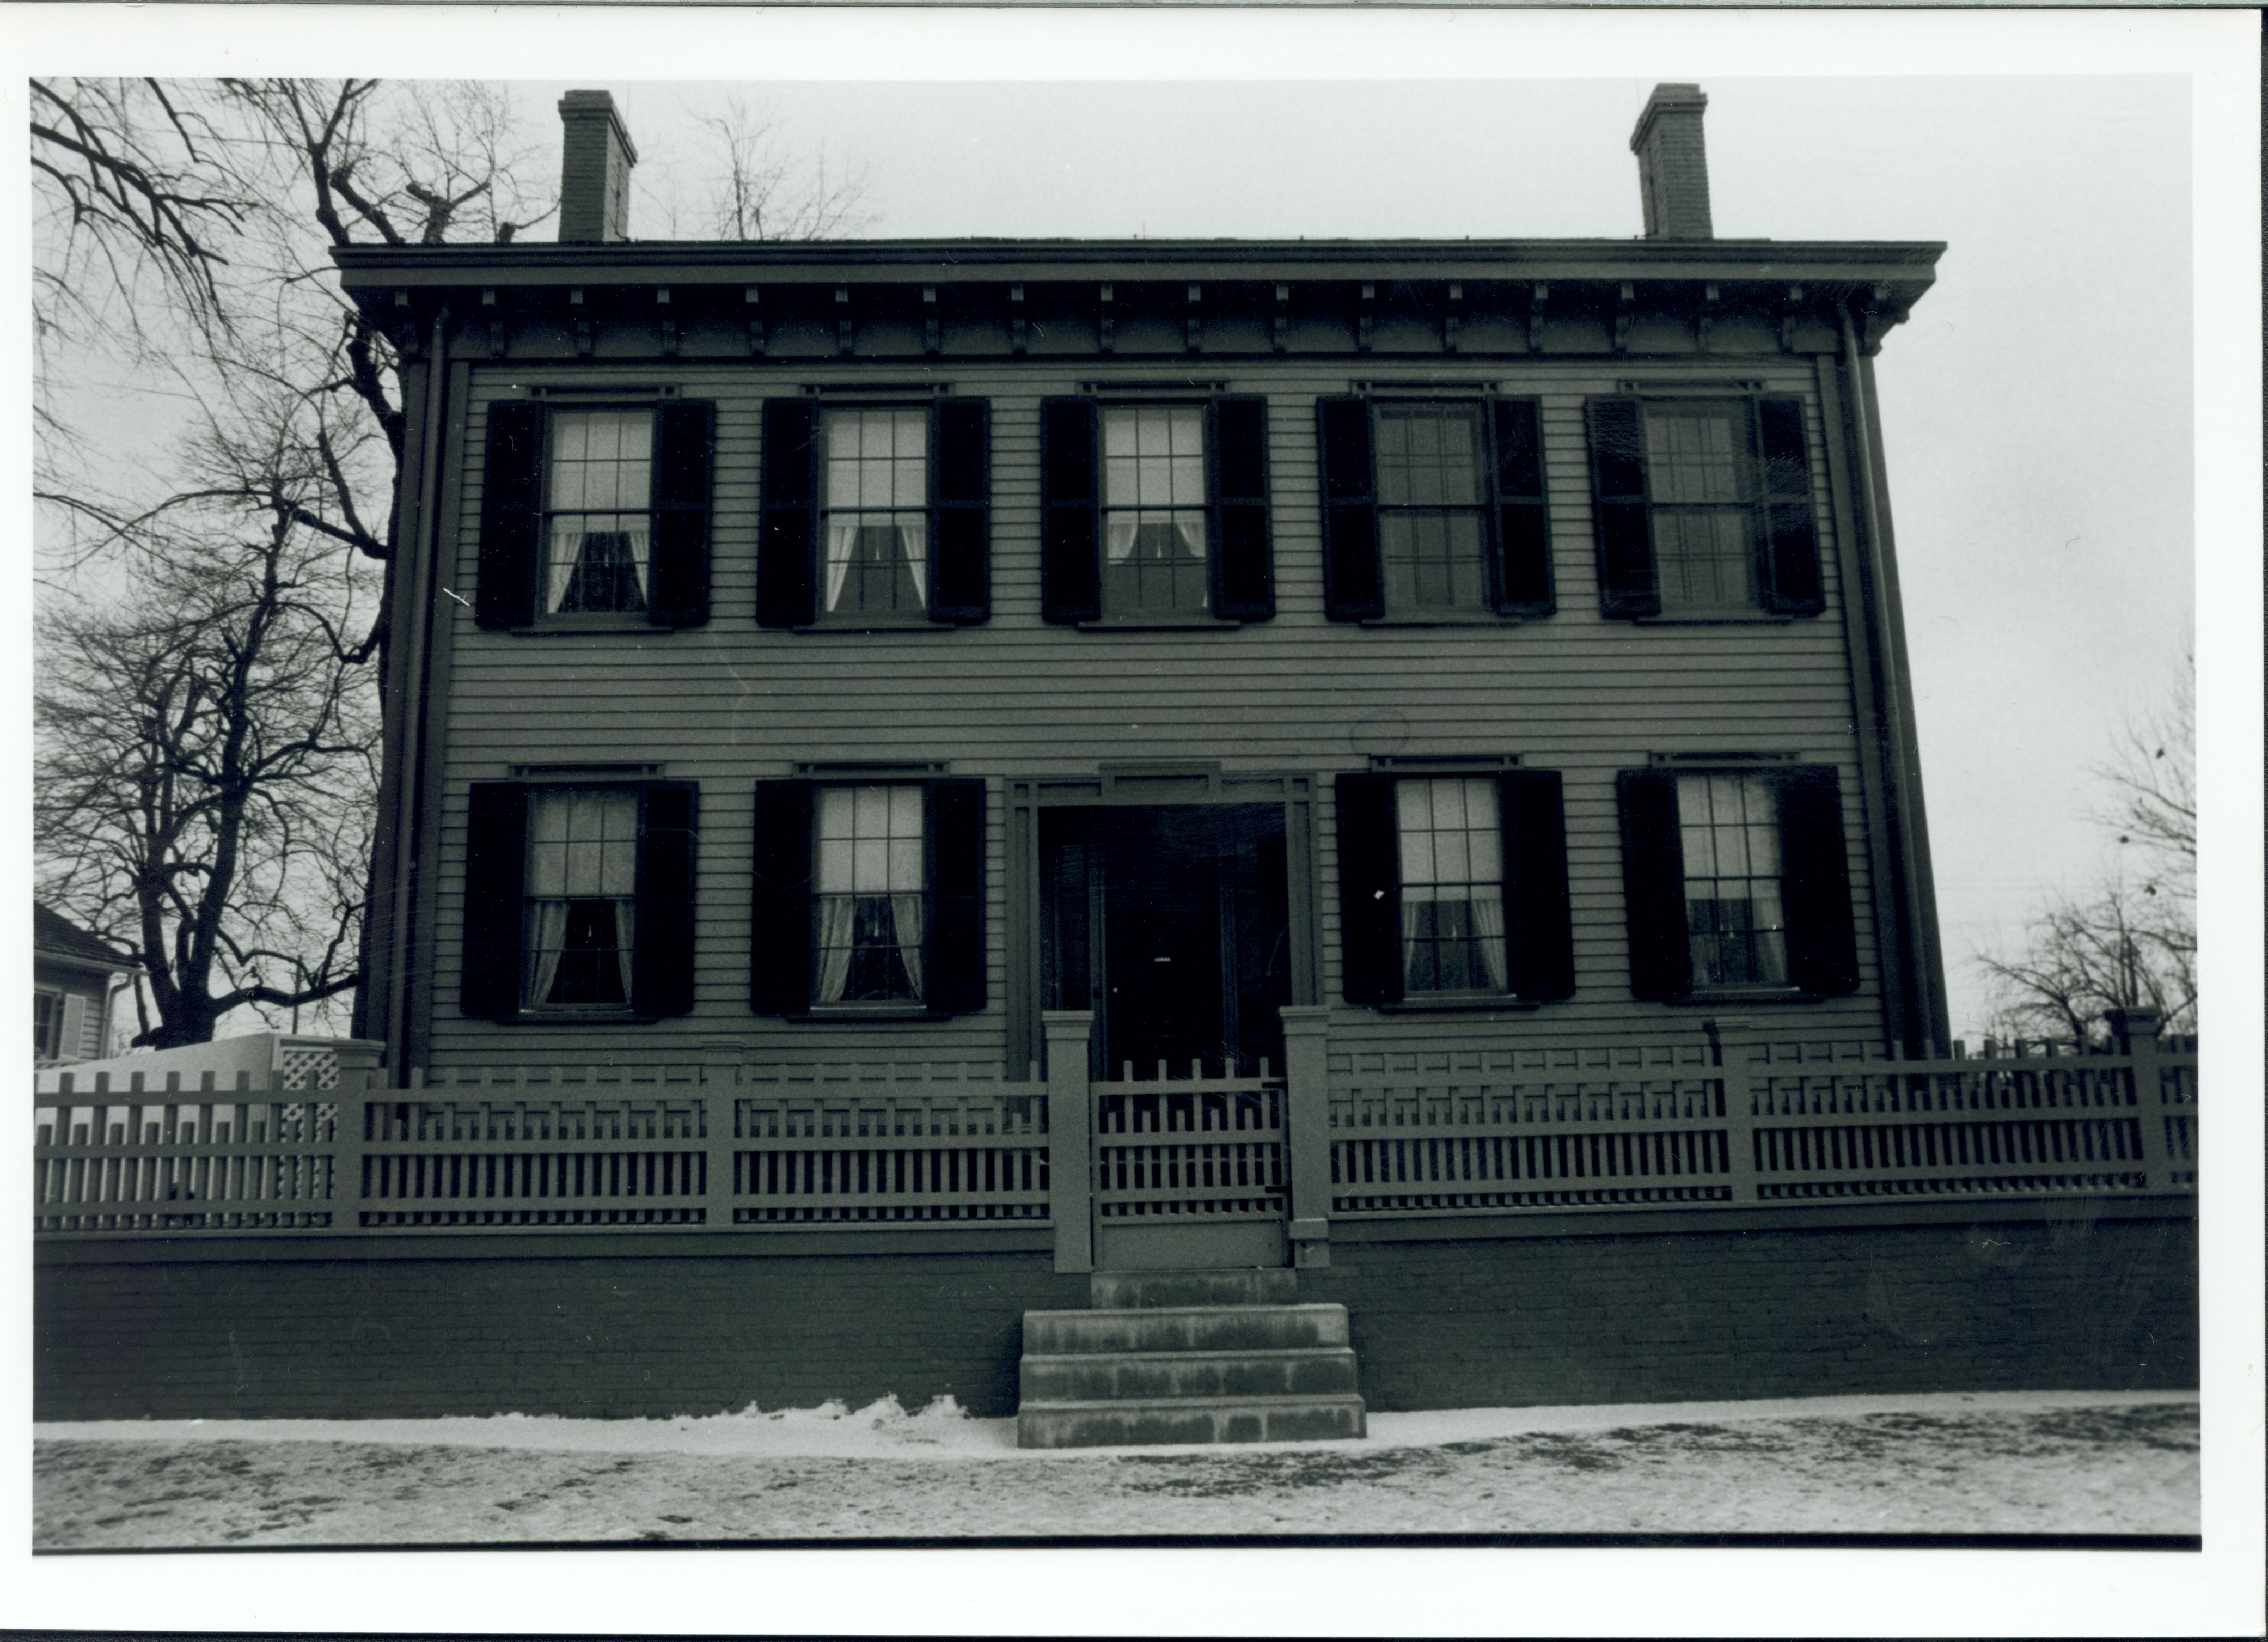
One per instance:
[(1307, 1129), (1070, 1194), (360, 1075)]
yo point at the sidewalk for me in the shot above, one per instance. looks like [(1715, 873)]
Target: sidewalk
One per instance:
[(2004, 1463)]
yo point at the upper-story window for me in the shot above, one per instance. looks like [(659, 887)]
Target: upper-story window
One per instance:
[(1433, 509), (597, 535), (875, 515), (595, 516), (877, 511), (1702, 507), (1154, 549), (1155, 511)]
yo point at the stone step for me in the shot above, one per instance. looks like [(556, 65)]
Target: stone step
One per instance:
[(1097, 1376), (1185, 1329), (1099, 1425), (1255, 1285)]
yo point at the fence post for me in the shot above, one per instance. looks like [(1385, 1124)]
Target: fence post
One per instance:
[(1071, 1159), (1730, 1041), (2136, 1032), (1307, 1129), (719, 1073), (360, 1071)]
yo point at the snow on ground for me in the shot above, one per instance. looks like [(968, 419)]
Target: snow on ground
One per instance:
[(1983, 1462)]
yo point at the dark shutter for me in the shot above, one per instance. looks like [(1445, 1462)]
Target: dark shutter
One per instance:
[(1536, 918), (952, 956), (685, 444), (1627, 585), (661, 965), (512, 515), (1822, 944), (1523, 535), (961, 573), (1353, 590), (1653, 885), (779, 931), (1071, 588), (495, 880), (1370, 891), (786, 526), (1791, 580), (1243, 568)]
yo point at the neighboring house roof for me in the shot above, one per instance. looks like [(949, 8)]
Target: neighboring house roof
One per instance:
[(55, 937)]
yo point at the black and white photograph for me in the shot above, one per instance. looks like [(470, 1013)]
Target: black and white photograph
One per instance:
[(1395, 780)]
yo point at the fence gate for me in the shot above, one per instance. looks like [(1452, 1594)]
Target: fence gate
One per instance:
[(1190, 1172)]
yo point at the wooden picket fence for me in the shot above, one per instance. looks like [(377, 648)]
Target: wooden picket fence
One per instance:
[(1337, 1135)]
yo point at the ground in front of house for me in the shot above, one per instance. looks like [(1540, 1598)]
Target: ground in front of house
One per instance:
[(2003, 1462)]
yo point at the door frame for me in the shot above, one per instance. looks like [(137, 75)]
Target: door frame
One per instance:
[(1141, 783)]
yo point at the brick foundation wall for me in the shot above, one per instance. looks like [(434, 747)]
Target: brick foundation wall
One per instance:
[(2054, 1305), (648, 1336), (2069, 1303)]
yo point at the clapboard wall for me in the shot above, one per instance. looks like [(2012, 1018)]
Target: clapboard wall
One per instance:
[(728, 703)]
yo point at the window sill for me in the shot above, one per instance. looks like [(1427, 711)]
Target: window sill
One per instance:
[(1712, 618), (1720, 997), (578, 1017), (1160, 624), (1443, 618), (876, 624), (867, 1013), (1443, 1005), (593, 624)]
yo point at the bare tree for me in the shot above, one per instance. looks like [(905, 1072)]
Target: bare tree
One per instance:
[(759, 187), (203, 764), (2131, 942)]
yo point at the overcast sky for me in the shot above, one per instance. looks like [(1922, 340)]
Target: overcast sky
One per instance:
[(2042, 451)]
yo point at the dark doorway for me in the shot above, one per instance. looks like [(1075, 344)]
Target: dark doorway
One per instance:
[(1172, 922)]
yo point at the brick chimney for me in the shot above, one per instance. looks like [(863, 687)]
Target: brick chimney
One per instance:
[(1673, 167), (594, 170)]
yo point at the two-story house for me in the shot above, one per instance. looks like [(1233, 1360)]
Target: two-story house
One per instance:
[(917, 771)]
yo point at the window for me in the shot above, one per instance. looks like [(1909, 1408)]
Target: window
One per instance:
[(582, 897), (1432, 528), (875, 515), (1453, 888), (47, 1024), (579, 899), (877, 511), (1736, 882), (1155, 513), (1154, 510), (1433, 509), (1728, 832), (868, 896), (595, 517), (597, 539), (1702, 507)]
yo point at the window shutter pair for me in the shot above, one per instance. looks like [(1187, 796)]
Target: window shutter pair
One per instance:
[(1538, 925), (1823, 952), (1354, 588), (495, 880), (1787, 535), (1242, 561), (512, 515), (780, 932), (959, 588)]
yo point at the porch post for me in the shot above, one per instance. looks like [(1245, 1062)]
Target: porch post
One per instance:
[(1307, 1129), (1070, 1196), (2136, 1032), (360, 1074)]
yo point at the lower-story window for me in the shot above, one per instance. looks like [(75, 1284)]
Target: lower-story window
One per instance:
[(1452, 858), (869, 894), (1728, 832), (582, 896)]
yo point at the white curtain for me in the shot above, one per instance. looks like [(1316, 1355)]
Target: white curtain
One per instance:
[(838, 921), (1414, 900), (546, 930), (906, 919), (902, 539), (625, 941), (1488, 929), (1125, 534), (567, 544)]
